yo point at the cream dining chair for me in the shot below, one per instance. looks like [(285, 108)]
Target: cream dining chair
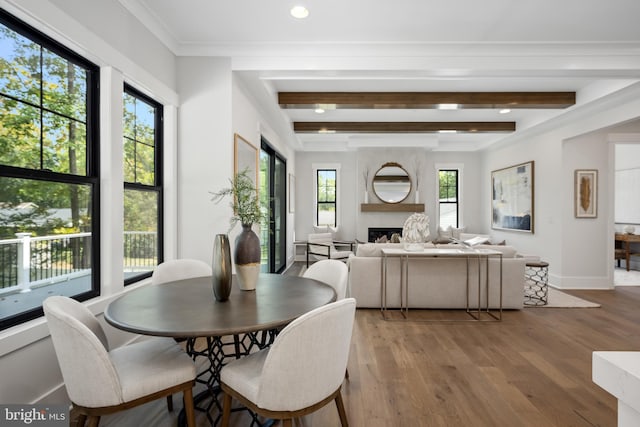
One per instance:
[(178, 269), (301, 372), (332, 272), (100, 381), (335, 274)]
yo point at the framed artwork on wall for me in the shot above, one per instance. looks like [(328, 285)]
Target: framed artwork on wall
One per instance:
[(512, 198), (246, 157), (292, 193), (586, 193)]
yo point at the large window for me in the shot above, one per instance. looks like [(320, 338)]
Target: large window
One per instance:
[(326, 197), (142, 132), (48, 172), (448, 202)]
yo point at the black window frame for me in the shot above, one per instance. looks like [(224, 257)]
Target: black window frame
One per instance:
[(158, 186), (335, 197), (91, 177), (457, 192)]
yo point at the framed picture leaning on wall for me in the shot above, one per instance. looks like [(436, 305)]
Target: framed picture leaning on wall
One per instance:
[(586, 193), (512, 198)]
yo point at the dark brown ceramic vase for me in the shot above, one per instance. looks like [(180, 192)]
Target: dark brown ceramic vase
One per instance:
[(247, 258), (221, 264)]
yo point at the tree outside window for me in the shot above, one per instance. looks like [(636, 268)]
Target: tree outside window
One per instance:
[(448, 198), (326, 197), (142, 132), (48, 172)]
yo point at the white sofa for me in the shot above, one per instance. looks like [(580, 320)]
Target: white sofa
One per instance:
[(436, 282)]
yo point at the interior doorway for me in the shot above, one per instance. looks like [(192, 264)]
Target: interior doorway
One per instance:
[(627, 206)]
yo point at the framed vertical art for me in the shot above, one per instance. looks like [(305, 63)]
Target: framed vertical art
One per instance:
[(292, 193), (586, 193), (512, 198), (245, 157)]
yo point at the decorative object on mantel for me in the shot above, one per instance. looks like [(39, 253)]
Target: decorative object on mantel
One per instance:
[(247, 211), (415, 232), (629, 229), (418, 166), (365, 174), (221, 267)]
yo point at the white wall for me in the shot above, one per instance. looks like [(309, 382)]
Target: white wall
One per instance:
[(251, 123), (205, 153), (580, 251), (354, 223)]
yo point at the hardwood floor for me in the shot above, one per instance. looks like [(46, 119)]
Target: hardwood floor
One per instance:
[(531, 369)]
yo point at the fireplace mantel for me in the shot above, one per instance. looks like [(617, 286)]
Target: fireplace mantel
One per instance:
[(392, 207)]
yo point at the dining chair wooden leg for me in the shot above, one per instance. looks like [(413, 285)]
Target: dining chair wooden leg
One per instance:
[(170, 403), (188, 407), (80, 420), (226, 410), (341, 411), (94, 420)]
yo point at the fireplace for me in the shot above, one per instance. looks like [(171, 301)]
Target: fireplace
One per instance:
[(374, 233)]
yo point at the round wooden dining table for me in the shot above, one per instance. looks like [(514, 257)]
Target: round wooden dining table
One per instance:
[(227, 330)]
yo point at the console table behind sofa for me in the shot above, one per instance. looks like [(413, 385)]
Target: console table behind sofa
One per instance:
[(444, 284)]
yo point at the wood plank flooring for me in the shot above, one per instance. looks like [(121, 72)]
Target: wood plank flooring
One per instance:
[(531, 369)]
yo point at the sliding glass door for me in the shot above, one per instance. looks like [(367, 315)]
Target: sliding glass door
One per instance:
[(273, 236)]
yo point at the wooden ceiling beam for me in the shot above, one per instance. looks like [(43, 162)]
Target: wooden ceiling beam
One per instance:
[(414, 100), (402, 127)]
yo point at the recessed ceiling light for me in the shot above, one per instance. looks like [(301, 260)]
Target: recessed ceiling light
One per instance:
[(319, 110), (299, 12), (447, 106), (505, 111)]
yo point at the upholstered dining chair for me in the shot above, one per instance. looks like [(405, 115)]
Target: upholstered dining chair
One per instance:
[(335, 274), (100, 381), (177, 269), (301, 372), (332, 272), (321, 246)]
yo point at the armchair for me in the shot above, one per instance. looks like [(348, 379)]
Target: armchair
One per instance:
[(322, 246)]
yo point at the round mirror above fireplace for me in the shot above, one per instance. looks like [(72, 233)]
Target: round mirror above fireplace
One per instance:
[(391, 183)]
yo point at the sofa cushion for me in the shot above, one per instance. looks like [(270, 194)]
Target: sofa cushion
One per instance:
[(374, 249), (507, 251), (445, 235)]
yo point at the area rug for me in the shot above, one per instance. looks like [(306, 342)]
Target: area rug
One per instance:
[(559, 299)]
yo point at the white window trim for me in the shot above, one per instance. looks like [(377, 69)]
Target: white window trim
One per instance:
[(449, 166), (320, 166)]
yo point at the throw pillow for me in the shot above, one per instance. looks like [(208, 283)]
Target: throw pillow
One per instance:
[(319, 229), (444, 236), (455, 232)]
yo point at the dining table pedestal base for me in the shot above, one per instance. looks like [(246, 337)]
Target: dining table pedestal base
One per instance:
[(211, 354)]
